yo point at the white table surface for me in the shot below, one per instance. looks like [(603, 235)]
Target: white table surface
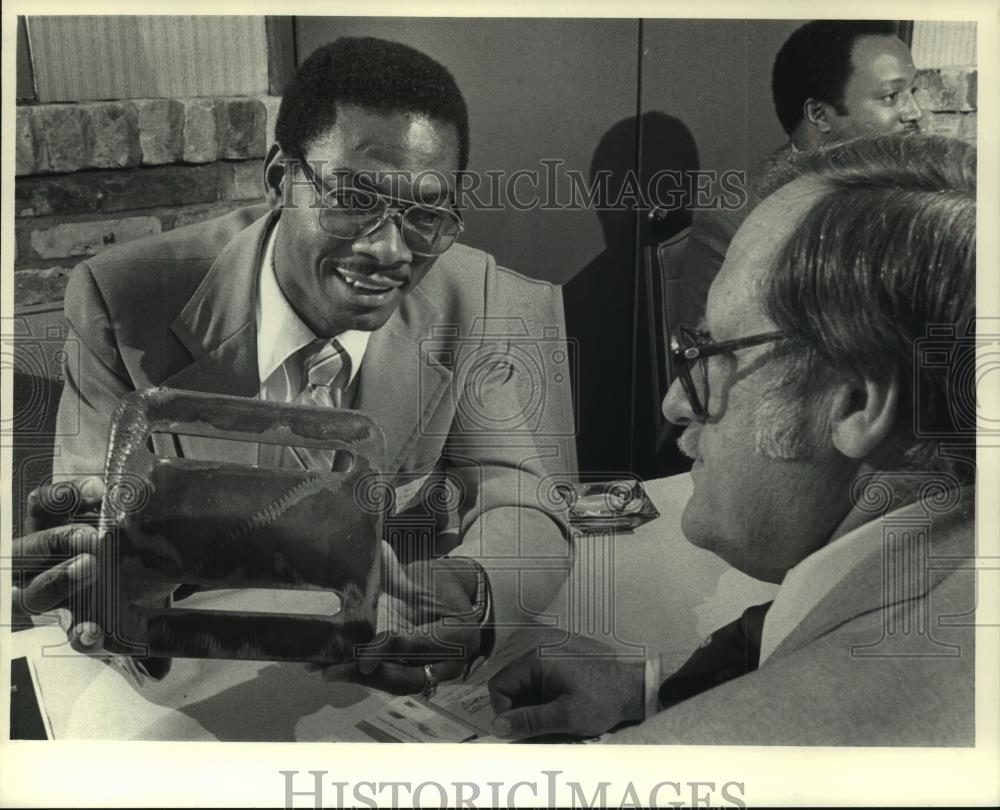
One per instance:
[(644, 592)]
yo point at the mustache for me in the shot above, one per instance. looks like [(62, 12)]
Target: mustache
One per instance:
[(687, 442)]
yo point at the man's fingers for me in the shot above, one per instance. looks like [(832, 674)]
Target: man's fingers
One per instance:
[(54, 586), (340, 673), (500, 701), (87, 638), (433, 642), (395, 579), (46, 548), (52, 504), (92, 492), (392, 614), (532, 721), (395, 678), (517, 683)]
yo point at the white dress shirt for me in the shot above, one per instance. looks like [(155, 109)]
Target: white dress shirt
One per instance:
[(805, 585), (280, 335)]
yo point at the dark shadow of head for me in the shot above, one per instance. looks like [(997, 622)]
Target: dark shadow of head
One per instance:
[(642, 165), (652, 150)]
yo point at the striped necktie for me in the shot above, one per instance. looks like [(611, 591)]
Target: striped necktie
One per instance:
[(327, 369)]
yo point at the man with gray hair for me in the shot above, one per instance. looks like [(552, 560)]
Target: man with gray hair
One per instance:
[(829, 409)]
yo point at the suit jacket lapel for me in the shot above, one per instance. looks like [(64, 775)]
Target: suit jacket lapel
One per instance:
[(863, 590), (401, 383), (218, 326)]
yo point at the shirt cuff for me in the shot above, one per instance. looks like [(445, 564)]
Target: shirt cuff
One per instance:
[(482, 607), (486, 623), (651, 687)]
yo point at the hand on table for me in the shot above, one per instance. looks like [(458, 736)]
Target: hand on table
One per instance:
[(580, 688), (431, 617), (54, 558)]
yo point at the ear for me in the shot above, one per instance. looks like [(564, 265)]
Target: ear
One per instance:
[(817, 114), (274, 174), (863, 414)]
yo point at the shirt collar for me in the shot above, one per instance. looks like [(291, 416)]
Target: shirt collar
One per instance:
[(281, 332), (355, 342), (805, 585)]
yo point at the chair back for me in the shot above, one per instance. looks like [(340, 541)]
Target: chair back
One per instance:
[(662, 268)]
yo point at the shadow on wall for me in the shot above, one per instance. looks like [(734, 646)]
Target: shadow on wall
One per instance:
[(600, 300)]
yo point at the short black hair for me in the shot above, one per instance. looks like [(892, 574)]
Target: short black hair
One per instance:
[(815, 62), (372, 73)]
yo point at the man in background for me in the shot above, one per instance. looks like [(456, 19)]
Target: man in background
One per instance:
[(833, 80), (831, 455)]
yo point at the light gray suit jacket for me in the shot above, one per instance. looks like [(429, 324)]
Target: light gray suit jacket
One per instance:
[(886, 658), (463, 379)]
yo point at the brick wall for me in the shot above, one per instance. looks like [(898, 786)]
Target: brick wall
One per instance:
[(97, 174), (948, 99)]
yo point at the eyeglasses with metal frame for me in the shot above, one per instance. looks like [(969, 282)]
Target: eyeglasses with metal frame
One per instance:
[(348, 212)]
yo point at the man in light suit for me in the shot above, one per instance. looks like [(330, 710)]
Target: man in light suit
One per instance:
[(827, 403), (352, 267)]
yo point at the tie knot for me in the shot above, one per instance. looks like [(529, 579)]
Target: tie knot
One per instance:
[(326, 360)]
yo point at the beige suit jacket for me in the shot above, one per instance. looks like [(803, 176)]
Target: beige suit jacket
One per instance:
[(464, 378), (886, 658)]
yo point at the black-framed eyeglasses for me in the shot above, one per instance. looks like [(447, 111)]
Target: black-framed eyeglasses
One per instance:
[(689, 353), (350, 213)]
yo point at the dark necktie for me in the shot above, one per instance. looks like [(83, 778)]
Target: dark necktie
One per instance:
[(728, 653)]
